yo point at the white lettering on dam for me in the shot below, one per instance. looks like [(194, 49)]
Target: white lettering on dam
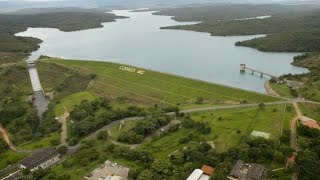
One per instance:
[(130, 69)]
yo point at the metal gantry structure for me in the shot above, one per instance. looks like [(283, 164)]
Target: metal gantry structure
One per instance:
[(243, 68)]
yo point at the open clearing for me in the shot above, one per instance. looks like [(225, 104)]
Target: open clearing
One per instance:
[(227, 127), (150, 87)]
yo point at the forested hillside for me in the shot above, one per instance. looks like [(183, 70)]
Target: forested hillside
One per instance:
[(297, 41), (291, 28)]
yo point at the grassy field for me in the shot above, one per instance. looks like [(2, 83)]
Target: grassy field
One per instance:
[(310, 110), (227, 128), (155, 87), (9, 157), (282, 89), (72, 100), (62, 80)]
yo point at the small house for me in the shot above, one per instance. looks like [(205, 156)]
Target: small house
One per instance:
[(202, 174)]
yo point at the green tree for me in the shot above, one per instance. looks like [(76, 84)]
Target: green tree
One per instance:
[(199, 100), (261, 106), (93, 76), (162, 167), (102, 135), (145, 175), (279, 157), (62, 150)]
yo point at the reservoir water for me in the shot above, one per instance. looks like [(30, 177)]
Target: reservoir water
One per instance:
[(138, 41)]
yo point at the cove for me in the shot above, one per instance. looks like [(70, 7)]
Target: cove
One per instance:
[(139, 41)]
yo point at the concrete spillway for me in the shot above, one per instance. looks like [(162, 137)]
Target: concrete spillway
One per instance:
[(34, 77), (41, 102)]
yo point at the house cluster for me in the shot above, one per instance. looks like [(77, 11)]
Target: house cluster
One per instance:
[(40, 159), (109, 171), (240, 171), (246, 171), (202, 174)]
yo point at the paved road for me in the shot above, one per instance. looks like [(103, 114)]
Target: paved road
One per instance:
[(238, 106)]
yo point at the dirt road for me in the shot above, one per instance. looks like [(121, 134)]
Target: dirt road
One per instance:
[(64, 132), (4, 135)]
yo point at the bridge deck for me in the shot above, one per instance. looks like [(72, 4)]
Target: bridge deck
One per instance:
[(261, 72)]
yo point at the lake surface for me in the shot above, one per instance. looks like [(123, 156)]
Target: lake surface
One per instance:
[(138, 41)]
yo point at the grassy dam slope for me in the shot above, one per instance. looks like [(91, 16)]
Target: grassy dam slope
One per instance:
[(150, 87)]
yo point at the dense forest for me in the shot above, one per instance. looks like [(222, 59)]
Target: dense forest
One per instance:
[(308, 160), (298, 41), (290, 29)]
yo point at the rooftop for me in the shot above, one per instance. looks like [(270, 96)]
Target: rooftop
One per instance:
[(245, 171), (309, 122), (195, 175), (38, 157), (207, 169)]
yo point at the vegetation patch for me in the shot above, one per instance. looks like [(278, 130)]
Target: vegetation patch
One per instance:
[(310, 110), (123, 127), (10, 157), (49, 140), (69, 102), (61, 80), (311, 80), (308, 160), (8, 57), (226, 128), (282, 90)]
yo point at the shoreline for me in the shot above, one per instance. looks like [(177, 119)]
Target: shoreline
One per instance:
[(262, 91), (269, 89)]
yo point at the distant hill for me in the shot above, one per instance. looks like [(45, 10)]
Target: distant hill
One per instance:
[(19, 4)]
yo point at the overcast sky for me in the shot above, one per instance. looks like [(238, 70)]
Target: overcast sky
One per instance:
[(64, 0)]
